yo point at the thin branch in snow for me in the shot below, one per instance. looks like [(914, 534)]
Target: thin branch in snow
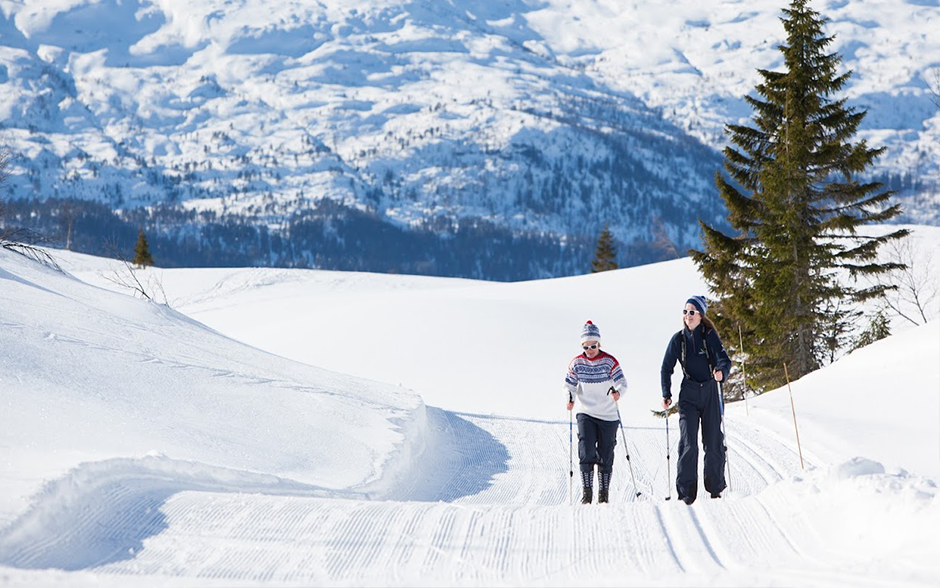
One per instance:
[(127, 277)]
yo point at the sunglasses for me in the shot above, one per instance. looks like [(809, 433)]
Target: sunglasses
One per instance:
[(689, 312), (586, 347)]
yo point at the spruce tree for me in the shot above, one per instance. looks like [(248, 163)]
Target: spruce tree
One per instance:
[(796, 203), (142, 255), (878, 328), (605, 254)]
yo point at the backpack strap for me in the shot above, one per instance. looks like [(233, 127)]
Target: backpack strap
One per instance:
[(681, 335), (708, 356)]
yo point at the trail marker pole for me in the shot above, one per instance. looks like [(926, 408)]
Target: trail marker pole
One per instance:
[(743, 373), (793, 408)]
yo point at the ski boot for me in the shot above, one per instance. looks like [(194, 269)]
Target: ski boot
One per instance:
[(587, 495)]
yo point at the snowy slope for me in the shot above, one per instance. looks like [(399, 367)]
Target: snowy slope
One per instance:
[(462, 344), (879, 402), (516, 339), (486, 501), (117, 386)]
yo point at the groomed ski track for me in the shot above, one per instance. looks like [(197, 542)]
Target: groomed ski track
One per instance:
[(490, 506)]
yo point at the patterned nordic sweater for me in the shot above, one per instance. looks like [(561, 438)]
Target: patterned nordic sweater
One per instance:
[(590, 379)]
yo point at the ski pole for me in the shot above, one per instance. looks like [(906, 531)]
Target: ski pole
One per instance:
[(724, 435), (570, 461), (627, 449), (668, 470)]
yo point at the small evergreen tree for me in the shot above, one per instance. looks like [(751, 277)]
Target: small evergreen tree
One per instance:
[(605, 254), (878, 329), (781, 278), (142, 257)]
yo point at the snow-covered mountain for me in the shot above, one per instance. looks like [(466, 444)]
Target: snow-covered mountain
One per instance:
[(485, 139)]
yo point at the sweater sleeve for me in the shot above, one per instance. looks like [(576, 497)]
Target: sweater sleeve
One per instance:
[(722, 361), (669, 365), (571, 382), (616, 374)]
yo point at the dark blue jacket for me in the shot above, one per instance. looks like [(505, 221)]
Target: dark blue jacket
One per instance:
[(696, 362)]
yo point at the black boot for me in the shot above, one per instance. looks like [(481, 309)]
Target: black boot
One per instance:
[(588, 495), (689, 495), (716, 495), (602, 492), (587, 483)]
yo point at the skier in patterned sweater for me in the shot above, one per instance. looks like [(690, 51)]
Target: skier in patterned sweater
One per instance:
[(595, 378)]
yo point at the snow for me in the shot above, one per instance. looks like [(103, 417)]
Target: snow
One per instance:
[(141, 446), (179, 390), (879, 402)]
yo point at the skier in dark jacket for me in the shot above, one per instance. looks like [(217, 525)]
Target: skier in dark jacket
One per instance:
[(704, 363), (596, 380)]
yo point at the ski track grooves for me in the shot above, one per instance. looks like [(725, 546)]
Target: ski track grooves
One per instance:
[(489, 506), (669, 540)]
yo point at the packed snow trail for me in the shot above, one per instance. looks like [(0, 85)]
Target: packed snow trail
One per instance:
[(174, 456), (489, 506)]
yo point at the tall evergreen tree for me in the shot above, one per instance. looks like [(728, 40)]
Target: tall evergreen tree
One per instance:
[(142, 255), (605, 254), (795, 201)]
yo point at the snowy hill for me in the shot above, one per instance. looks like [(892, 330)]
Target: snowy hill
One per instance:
[(135, 389), (391, 318), (480, 139), (878, 402), (143, 447)]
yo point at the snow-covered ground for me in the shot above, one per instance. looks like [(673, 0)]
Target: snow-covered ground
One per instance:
[(140, 446)]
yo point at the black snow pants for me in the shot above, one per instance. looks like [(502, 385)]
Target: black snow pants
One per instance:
[(699, 401), (596, 441)]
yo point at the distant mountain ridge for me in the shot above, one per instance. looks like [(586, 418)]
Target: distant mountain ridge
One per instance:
[(482, 139)]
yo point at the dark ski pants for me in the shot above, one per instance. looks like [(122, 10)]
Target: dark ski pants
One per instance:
[(699, 402), (596, 441)]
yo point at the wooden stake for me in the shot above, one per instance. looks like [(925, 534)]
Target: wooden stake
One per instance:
[(792, 408), (743, 373)]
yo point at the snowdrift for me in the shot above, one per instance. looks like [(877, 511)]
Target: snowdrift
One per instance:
[(92, 377)]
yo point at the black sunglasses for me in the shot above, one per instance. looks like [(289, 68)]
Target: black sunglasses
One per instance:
[(690, 312), (586, 347)]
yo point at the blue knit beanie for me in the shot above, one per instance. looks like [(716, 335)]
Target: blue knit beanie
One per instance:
[(590, 332), (698, 302)]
